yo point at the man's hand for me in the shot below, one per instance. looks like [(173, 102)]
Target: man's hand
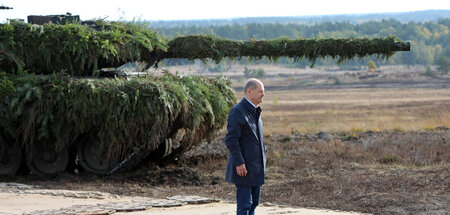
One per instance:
[(241, 170)]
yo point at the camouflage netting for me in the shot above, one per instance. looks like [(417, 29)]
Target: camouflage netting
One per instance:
[(75, 48), (141, 111), (210, 46), (82, 49)]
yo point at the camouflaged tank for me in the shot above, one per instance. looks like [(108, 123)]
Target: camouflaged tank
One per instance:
[(57, 111)]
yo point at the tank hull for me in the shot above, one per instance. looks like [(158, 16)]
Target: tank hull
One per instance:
[(108, 125)]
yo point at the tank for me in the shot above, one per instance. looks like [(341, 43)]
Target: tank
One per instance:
[(57, 111)]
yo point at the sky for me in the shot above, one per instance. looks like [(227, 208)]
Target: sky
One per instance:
[(204, 9)]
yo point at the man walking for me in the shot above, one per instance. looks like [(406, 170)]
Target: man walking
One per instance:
[(247, 160)]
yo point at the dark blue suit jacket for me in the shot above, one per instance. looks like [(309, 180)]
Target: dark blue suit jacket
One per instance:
[(245, 142)]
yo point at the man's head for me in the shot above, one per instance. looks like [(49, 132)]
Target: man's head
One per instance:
[(254, 91)]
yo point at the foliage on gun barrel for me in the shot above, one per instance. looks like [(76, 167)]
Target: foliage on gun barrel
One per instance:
[(138, 112), (210, 46), (83, 50)]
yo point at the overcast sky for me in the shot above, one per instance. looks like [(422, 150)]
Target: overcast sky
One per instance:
[(208, 9)]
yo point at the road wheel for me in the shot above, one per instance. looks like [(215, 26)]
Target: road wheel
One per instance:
[(10, 157), (44, 158), (94, 156)]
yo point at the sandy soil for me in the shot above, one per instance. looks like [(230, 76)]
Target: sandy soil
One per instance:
[(229, 209), (19, 203), (13, 203)]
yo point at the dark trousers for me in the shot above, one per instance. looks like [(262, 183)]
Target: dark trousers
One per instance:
[(247, 198)]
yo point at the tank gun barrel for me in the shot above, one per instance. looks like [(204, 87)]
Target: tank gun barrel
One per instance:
[(209, 46), (407, 47)]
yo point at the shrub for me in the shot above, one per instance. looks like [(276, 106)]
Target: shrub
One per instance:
[(389, 159), (371, 66)]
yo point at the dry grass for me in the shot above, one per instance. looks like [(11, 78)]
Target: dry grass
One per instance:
[(381, 172), (311, 111)]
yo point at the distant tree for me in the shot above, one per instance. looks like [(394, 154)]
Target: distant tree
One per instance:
[(443, 64), (428, 71), (424, 53), (247, 72), (254, 73), (260, 73), (371, 66), (408, 58)]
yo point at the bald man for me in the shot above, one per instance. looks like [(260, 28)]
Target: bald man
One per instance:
[(247, 160)]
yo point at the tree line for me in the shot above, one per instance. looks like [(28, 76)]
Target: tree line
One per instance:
[(430, 39), (404, 17)]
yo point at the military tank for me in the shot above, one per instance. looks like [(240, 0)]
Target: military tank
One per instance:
[(56, 110)]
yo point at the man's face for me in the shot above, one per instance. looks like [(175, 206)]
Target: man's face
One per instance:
[(256, 95)]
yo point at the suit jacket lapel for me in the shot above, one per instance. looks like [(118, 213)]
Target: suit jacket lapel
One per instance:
[(251, 110)]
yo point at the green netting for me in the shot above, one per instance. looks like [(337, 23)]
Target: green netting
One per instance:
[(210, 46), (75, 48), (140, 111)]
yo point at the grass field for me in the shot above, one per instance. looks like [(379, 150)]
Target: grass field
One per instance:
[(347, 110)]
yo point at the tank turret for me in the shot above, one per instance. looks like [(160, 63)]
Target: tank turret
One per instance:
[(56, 110), (56, 19)]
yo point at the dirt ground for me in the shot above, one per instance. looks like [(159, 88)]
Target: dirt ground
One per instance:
[(229, 209), (13, 203), (370, 172)]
